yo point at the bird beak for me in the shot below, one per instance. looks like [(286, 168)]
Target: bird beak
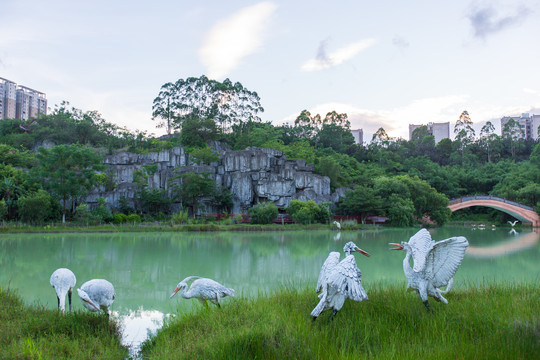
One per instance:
[(174, 292), (94, 305), (399, 247), (363, 252)]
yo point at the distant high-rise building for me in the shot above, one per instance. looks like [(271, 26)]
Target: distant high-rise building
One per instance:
[(20, 102), (358, 136), (438, 130), (528, 124)]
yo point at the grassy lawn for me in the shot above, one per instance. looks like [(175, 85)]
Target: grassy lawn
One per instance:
[(490, 322), (33, 332)]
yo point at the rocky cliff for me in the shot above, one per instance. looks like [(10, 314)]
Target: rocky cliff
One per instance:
[(252, 175)]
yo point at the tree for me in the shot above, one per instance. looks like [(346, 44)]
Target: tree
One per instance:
[(225, 103), (380, 138), (263, 213), (362, 201), (198, 132), (335, 137), (193, 188), (204, 155), (464, 131), (488, 138), (36, 207), (512, 133), (67, 171)]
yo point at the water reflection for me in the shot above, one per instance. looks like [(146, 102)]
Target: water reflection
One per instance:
[(138, 325), (515, 244)]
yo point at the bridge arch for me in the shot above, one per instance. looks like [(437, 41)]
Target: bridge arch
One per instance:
[(524, 213)]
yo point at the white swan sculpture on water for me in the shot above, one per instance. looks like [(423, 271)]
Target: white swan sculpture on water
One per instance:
[(63, 281), (435, 264), (339, 281), (97, 295), (202, 289)]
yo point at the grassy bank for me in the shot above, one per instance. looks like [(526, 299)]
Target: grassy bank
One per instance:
[(490, 322), (155, 227), (32, 332)]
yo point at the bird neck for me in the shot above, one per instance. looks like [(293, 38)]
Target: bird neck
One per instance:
[(406, 266), (185, 293)]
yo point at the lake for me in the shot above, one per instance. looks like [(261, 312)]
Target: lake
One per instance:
[(145, 267)]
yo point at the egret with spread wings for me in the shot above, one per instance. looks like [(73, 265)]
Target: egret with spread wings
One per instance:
[(339, 281), (435, 263)]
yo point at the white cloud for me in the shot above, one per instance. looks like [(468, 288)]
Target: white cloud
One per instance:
[(324, 60), (235, 37)]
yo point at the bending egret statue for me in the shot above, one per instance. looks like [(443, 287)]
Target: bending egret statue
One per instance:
[(202, 289), (513, 223), (435, 264), (63, 281), (337, 225), (339, 281), (97, 294)]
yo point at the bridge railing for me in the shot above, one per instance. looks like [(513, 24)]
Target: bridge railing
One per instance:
[(488, 197)]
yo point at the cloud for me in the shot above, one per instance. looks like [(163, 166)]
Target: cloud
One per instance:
[(323, 60), (485, 20), (234, 38)]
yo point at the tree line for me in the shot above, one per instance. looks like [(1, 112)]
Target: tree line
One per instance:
[(404, 180)]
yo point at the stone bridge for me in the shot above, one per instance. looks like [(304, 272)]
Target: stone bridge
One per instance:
[(524, 213)]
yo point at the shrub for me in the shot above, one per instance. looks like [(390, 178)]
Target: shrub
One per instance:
[(35, 207), (263, 213), (133, 218), (308, 212), (3, 210), (180, 217), (101, 214), (82, 213), (119, 218)]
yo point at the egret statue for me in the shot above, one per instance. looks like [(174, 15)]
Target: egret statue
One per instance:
[(63, 281), (435, 264), (339, 281), (97, 294), (513, 223), (202, 289), (337, 225)]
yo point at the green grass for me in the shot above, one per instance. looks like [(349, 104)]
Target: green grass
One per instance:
[(32, 332), (490, 322)]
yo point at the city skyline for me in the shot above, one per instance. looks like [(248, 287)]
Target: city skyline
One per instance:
[(385, 64)]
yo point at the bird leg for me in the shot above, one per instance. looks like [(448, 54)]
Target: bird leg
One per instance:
[(69, 299), (58, 301), (334, 312), (427, 305)]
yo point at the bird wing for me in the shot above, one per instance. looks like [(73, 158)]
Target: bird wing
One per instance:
[(444, 259), (420, 243), (331, 261), (345, 277)]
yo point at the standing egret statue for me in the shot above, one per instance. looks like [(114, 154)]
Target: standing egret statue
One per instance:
[(435, 264), (97, 294), (339, 281), (202, 289), (63, 281), (337, 225)]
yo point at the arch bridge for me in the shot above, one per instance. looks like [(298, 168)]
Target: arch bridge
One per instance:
[(524, 213)]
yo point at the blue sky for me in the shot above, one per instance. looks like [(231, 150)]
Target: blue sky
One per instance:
[(385, 63)]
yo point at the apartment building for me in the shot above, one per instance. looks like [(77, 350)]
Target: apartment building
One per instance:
[(358, 135), (528, 123), (20, 102), (438, 130)]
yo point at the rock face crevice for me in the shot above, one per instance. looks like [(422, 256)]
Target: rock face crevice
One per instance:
[(252, 175)]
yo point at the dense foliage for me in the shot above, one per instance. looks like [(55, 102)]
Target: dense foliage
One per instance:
[(403, 180)]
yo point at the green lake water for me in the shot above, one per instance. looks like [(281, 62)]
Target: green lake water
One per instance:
[(145, 267)]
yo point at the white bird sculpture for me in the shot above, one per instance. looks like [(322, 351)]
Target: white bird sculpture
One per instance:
[(97, 294), (513, 223), (339, 281), (337, 225), (202, 289), (435, 264), (63, 281)]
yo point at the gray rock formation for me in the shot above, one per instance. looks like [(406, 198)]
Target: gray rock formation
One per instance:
[(252, 175)]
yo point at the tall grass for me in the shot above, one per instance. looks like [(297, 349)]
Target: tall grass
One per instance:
[(489, 322), (37, 333)]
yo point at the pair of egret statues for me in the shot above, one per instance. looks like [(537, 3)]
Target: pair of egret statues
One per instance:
[(434, 266)]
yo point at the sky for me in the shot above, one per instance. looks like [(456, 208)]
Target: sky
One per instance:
[(384, 63)]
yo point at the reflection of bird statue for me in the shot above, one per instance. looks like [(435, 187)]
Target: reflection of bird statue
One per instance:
[(513, 223), (63, 281), (97, 294), (339, 281), (513, 232), (435, 263), (337, 225), (203, 289)]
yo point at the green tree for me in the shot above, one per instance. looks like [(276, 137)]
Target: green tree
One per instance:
[(68, 172), (512, 133), (204, 155), (225, 103), (328, 166), (362, 201), (194, 187), (35, 207), (197, 132), (464, 132), (263, 213)]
